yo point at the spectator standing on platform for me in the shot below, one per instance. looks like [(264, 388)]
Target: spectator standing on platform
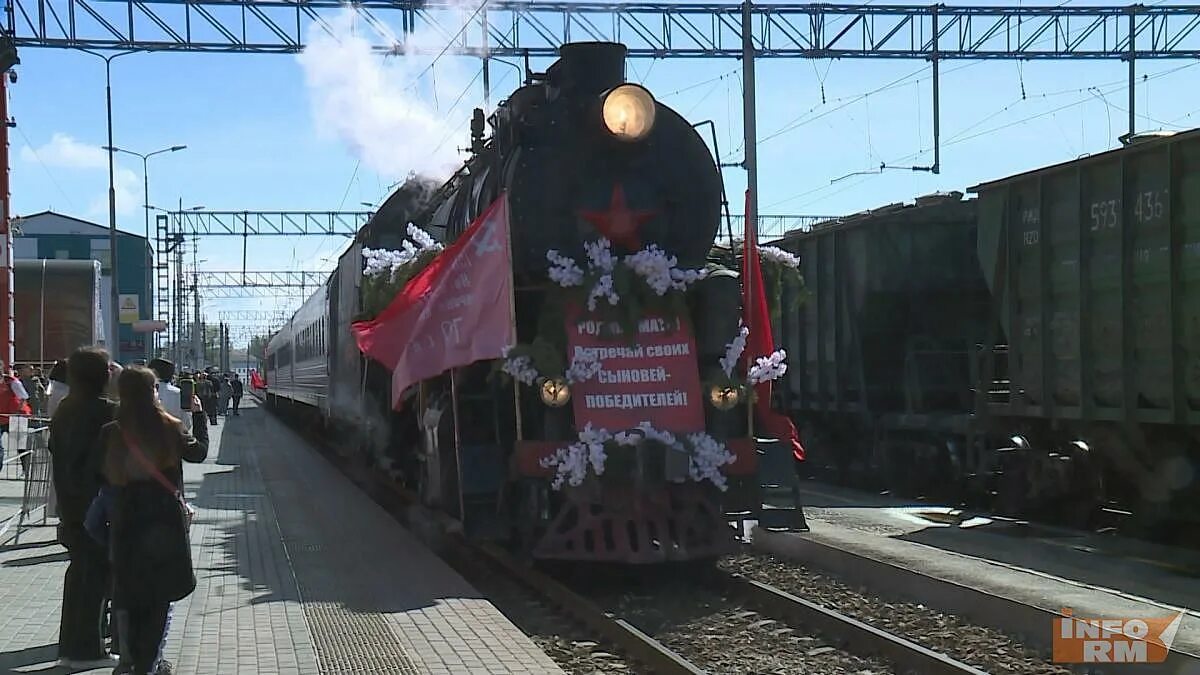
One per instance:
[(238, 392), (168, 394), (13, 401), (33, 387), (58, 388), (226, 392), (208, 396), (151, 559), (78, 461)]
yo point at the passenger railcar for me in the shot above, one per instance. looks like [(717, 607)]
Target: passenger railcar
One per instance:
[(573, 149), (297, 363)]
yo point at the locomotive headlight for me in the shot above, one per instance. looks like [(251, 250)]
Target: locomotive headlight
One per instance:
[(555, 392), (629, 112), (722, 397)]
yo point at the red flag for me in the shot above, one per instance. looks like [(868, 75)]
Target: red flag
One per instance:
[(760, 342), (456, 311)]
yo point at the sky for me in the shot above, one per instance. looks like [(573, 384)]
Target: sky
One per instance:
[(335, 127)]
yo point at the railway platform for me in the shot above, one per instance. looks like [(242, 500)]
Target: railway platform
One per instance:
[(1012, 575), (298, 572)]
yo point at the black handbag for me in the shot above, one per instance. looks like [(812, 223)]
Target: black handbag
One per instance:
[(164, 542)]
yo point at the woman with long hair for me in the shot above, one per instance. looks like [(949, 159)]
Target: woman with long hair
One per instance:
[(151, 558)]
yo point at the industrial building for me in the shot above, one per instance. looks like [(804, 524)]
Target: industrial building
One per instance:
[(50, 235)]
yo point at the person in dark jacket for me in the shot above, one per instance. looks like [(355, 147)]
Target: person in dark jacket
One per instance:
[(238, 391), (77, 469), (144, 451), (206, 390)]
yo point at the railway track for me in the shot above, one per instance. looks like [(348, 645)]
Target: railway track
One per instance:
[(724, 622), (851, 638)]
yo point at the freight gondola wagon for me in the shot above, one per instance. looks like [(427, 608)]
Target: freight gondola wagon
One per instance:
[(1094, 267)]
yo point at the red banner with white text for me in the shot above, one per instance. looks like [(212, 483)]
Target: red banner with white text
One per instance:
[(655, 379)]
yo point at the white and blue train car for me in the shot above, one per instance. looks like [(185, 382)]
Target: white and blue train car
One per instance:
[(297, 362)]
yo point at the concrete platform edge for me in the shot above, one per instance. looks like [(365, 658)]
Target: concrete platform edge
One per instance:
[(1030, 623)]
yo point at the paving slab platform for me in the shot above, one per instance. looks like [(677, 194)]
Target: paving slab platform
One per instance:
[(298, 572), (1013, 575)]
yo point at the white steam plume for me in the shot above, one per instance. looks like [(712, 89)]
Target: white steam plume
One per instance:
[(374, 104)]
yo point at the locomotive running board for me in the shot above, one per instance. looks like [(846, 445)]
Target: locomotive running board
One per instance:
[(624, 524)]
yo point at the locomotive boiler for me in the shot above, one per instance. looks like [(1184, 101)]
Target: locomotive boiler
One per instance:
[(612, 431)]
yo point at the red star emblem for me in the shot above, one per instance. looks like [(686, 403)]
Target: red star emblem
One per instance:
[(619, 224)]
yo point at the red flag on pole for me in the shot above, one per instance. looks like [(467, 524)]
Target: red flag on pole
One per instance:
[(760, 342), (456, 311)]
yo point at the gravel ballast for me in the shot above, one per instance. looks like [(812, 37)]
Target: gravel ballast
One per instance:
[(718, 634), (984, 648)]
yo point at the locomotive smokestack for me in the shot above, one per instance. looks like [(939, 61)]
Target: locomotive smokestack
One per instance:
[(589, 67)]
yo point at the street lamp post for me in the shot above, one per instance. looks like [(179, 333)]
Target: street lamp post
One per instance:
[(146, 207), (114, 298)]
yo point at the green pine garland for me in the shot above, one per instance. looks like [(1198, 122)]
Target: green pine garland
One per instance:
[(378, 290), (784, 285)]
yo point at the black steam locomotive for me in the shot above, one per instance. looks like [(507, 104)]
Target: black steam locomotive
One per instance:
[(582, 157)]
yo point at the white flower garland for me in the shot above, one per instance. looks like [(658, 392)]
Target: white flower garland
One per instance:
[(383, 261), (767, 368), (563, 270), (573, 460), (584, 366), (423, 238), (659, 270), (519, 367), (780, 256), (733, 351), (706, 455)]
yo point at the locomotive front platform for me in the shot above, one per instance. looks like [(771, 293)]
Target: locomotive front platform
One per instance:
[(298, 572), (1006, 574)]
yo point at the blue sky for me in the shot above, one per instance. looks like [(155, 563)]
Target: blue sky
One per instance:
[(265, 132)]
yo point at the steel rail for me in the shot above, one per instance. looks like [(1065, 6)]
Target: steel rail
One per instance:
[(619, 632), (860, 638)]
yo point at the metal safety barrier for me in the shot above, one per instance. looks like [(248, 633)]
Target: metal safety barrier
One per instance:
[(27, 461)]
